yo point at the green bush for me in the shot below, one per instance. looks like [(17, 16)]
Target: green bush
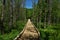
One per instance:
[(20, 25), (9, 36)]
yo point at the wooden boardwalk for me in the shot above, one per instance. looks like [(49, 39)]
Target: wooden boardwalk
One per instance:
[(30, 32)]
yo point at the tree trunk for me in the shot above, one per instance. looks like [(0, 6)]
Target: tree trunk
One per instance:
[(49, 11), (2, 17), (11, 15)]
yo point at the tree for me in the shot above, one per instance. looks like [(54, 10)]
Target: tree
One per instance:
[(49, 11), (2, 17)]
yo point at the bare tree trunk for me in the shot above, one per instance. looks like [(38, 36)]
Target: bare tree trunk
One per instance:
[(0, 14), (14, 14), (11, 15), (2, 17), (33, 19), (45, 14), (49, 11), (45, 19), (39, 11), (23, 14)]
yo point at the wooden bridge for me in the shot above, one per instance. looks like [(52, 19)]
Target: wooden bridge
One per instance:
[(30, 32)]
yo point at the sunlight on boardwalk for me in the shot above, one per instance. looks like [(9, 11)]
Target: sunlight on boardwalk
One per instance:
[(29, 32)]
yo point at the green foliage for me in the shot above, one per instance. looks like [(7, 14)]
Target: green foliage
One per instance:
[(20, 25), (50, 32), (9, 36)]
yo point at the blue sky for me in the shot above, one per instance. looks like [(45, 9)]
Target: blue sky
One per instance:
[(29, 3)]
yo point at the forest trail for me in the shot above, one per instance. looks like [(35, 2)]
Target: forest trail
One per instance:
[(30, 32)]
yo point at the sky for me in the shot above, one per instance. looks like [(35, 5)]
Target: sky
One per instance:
[(29, 3)]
